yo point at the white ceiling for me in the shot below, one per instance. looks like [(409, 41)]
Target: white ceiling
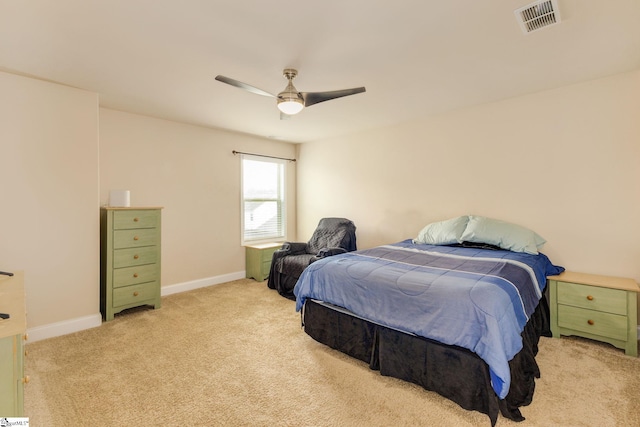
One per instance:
[(415, 57)]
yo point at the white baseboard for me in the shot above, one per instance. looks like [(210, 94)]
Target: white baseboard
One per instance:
[(64, 327), (87, 322), (201, 283)]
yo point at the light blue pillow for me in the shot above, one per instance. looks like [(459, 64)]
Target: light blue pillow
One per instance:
[(507, 236), (443, 232)]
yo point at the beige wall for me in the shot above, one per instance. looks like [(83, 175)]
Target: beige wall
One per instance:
[(192, 173), (563, 162), (49, 223), (61, 154)]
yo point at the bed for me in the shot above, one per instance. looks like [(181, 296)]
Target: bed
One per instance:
[(462, 317)]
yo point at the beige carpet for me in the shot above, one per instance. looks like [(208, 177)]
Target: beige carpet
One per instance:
[(234, 355)]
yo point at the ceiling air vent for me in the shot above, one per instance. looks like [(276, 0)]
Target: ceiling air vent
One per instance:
[(538, 15)]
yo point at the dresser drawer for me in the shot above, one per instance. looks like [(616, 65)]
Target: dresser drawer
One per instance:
[(136, 219), (134, 293), (133, 275), (593, 298), (135, 256), (594, 322), (135, 238)]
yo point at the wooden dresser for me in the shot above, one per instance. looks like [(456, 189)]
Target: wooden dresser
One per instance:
[(129, 259), (602, 308), (13, 333)]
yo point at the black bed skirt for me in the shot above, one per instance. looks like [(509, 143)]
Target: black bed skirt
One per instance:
[(454, 372)]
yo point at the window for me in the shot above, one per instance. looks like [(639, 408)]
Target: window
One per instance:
[(263, 199)]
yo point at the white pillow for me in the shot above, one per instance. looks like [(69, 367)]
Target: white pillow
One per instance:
[(443, 232), (508, 236)]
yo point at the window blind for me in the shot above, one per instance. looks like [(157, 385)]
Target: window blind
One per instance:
[(263, 199)]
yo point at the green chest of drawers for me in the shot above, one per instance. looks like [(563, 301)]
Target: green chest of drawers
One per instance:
[(130, 259), (258, 260), (602, 308), (12, 337)]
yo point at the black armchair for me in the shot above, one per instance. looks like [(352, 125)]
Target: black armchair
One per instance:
[(333, 236)]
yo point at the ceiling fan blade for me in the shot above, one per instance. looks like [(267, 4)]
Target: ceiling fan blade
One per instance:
[(244, 86), (311, 98)]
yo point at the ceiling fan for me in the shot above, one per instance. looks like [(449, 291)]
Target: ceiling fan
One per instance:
[(290, 101)]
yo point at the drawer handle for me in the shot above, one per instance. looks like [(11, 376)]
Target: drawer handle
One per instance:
[(136, 256), (136, 219), (590, 297), (135, 294), (26, 379), (136, 238), (135, 274), (591, 322)]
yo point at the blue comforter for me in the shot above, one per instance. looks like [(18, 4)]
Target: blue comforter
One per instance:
[(474, 298)]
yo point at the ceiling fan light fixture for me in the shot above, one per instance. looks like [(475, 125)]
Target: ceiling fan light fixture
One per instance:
[(290, 106), (290, 101)]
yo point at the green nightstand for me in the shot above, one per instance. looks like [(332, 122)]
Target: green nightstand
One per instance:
[(258, 260), (601, 308)]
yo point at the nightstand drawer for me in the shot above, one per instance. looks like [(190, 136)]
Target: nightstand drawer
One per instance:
[(135, 256), (132, 275), (135, 238), (132, 294), (593, 298), (136, 219), (593, 322)]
